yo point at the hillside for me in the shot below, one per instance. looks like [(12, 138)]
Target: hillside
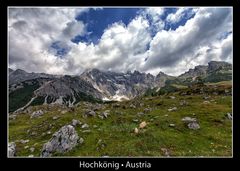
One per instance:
[(145, 126)]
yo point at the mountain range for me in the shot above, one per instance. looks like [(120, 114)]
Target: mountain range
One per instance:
[(94, 85)]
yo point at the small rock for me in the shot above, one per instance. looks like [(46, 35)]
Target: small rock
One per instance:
[(136, 131), (142, 125), (81, 140), (86, 131), (206, 102), (32, 149), (165, 152), (172, 125), (49, 132), (172, 109), (90, 113), (24, 141), (189, 119), (229, 116), (55, 117), (11, 149), (140, 113), (85, 126), (193, 125), (151, 119), (75, 122), (37, 114), (63, 112), (105, 113), (135, 120), (172, 97), (31, 155), (166, 115)]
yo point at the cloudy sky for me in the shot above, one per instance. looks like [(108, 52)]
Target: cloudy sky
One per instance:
[(71, 40)]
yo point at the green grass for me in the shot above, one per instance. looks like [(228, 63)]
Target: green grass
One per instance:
[(114, 136)]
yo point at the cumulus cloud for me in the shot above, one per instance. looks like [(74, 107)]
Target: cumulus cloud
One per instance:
[(142, 45), (32, 32), (176, 17), (169, 49)]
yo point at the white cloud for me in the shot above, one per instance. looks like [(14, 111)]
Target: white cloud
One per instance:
[(171, 49), (121, 47), (176, 17), (33, 30)]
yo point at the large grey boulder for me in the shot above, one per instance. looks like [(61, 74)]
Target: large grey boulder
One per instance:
[(11, 149), (62, 141)]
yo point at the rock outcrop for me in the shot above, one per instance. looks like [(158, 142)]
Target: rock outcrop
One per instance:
[(62, 141), (11, 149)]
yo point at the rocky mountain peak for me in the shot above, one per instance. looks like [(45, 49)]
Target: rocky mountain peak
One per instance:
[(215, 65)]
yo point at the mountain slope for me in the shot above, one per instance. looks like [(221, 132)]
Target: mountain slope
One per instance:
[(96, 85)]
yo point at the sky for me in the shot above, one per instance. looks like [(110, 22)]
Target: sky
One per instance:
[(69, 40)]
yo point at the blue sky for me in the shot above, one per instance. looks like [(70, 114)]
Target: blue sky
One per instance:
[(98, 20), (148, 39)]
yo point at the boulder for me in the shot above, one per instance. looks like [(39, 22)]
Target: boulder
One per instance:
[(193, 125), (62, 141), (11, 149), (90, 113), (37, 114), (75, 122)]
